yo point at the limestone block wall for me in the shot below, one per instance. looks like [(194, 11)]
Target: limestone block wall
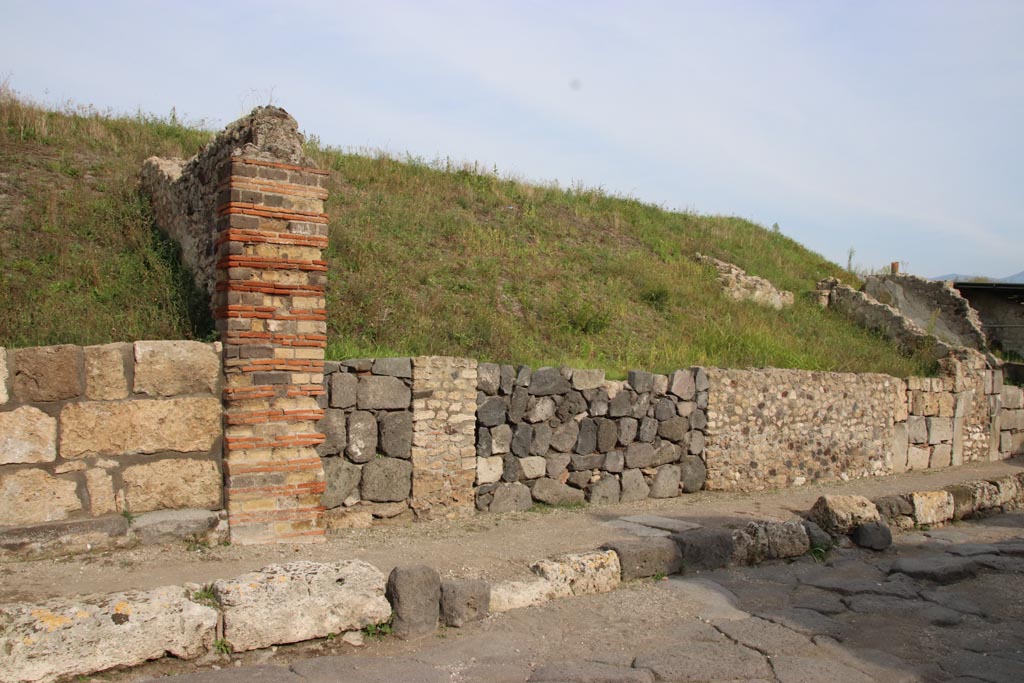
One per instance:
[(1009, 425), (562, 435), (772, 428), (101, 430), (398, 439)]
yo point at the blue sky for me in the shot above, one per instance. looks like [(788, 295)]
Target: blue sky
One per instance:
[(892, 128)]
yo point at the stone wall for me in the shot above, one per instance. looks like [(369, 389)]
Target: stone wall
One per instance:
[(1008, 432), (398, 439), (367, 450), (879, 317), (934, 306), (559, 435), (775, 428), (742, 287), (101, 430)]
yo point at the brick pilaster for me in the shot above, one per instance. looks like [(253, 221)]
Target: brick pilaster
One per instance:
[(271, 316)]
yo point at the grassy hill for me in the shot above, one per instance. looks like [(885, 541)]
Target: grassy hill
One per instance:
[(425, 259)]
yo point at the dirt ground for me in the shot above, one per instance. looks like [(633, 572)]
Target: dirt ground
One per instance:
[(493, 547)]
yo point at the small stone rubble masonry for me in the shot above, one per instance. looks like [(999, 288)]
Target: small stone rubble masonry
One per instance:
[(742, 287), (92, 438), (775, 428), (561, 435), (248, 211), (398, 440)]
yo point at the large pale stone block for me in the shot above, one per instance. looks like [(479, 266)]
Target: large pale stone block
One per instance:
[(34, 496), (172, 485), (579, 574), (839, 514), (105, 378), (47, 373), (182, 425), (300, 601), (169, 368), (61, 638), (932, 507), (27, 435)]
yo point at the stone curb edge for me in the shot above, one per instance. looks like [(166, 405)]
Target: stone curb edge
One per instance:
[(349, 597)]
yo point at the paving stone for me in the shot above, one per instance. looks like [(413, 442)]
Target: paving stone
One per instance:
[(415, 596), (705, 661), (637, 529), (806, 622), (643, 558), (666, 523), (817, 599), (766, 637), (367, 669), (589, 672), (790, 669), (263, 673), (938, 569), (992, 669), (953, 601), (970, 549), (899, 586)]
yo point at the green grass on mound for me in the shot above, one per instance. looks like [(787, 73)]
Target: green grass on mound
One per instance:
[(424, 258)]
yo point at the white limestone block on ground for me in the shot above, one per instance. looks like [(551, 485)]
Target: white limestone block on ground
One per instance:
[(62, 637), (300, 601), (582, 573)]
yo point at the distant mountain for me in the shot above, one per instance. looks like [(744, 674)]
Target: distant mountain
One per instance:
[(1017, 278)]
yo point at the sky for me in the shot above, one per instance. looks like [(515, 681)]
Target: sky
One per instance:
[(892, 129)]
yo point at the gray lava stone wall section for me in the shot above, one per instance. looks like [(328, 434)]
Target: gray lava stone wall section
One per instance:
[(368, 447), (559, 436)]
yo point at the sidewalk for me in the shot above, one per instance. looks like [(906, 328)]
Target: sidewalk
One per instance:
[(493, 547)]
